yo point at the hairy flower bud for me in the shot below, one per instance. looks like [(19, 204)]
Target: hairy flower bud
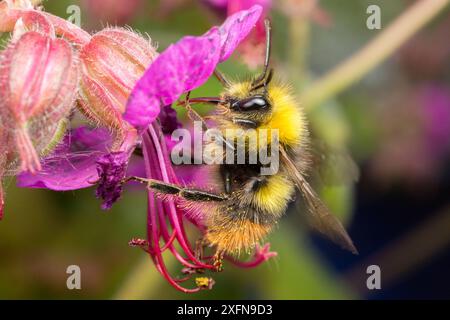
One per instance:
[(38, 78), (112, 63), (40, 21), (14, 18)]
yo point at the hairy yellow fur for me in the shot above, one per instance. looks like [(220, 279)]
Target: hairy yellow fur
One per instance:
[(233, 236), (250, 214), (286, 115), (274, 196)]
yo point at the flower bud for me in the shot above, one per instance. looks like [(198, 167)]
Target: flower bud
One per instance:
[(13, 18), (38, 79), (112, 62)]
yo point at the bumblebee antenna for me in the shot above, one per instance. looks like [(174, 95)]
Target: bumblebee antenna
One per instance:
[(222, 79), (268, 28)]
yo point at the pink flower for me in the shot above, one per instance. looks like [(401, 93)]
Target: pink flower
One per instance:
[(166, 223), (12, 11), (72, 165), (185, 66), (252, 49), (38, 79), (112, 62), (125, 87), (182, 67)]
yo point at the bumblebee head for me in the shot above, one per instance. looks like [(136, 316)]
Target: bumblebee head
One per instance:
[(257, 102), (273, 106), (250, 99), (246, 103), (261, 103)]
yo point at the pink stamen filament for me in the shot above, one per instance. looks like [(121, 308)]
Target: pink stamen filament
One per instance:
[(174, 218), (157, 210), (162, 207), (169, 241), (177, 255), (152, 235), (261, 255)]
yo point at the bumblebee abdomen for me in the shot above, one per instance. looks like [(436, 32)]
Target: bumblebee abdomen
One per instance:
[(271, 195), (231, 233), (250, 214)]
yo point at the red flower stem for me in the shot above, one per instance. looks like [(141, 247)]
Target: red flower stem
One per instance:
[(173, 282), (174, 178), (172, 249), (184, 279), (261, 255), (173, 217), (160, 206), (256, 261), (169, 242), (152, 229)]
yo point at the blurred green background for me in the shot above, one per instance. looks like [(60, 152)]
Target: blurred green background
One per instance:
[(398, 138)]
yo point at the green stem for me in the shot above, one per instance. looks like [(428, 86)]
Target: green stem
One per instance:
[(56, 139), (374, 53), (299, 35)]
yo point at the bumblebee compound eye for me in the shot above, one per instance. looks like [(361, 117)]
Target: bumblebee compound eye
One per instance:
[(257, 102)]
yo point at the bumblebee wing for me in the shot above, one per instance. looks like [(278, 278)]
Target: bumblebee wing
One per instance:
[(318, 215)]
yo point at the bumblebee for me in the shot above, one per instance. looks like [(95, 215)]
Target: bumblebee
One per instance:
[(248, 204)]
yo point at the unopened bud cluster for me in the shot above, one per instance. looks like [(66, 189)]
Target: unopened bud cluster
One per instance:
[(49, 68)]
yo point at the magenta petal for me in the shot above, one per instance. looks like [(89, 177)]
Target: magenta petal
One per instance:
[(181, 67), (185, 66), (236, 28), (73, 164)]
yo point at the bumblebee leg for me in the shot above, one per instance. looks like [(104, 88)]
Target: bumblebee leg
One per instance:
[(199, 100), (199, 244), (172, 189), (194, 115)]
